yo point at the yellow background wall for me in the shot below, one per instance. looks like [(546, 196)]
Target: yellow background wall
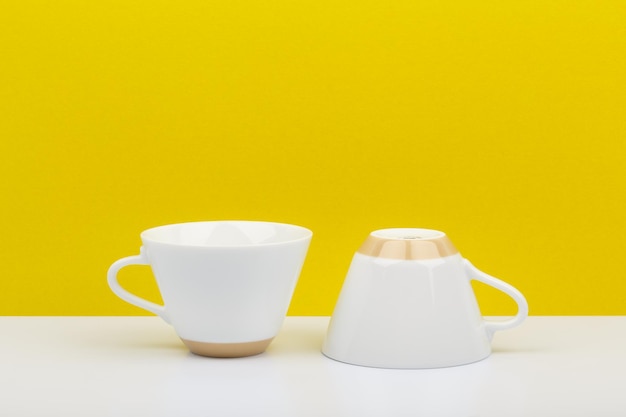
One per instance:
[(501, 123)]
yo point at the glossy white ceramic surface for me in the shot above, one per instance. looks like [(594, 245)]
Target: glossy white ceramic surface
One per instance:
[(221, 282), (413, 313)]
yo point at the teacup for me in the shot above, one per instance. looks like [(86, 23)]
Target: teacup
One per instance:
[(226, 285), (407, 302)]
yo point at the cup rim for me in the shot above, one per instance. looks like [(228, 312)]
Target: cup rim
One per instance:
[(148, 234)]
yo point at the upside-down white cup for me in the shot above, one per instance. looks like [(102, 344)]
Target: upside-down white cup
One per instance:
[(226, 285), (407, 302)]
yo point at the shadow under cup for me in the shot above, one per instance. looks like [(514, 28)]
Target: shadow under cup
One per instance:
[(226, 285)]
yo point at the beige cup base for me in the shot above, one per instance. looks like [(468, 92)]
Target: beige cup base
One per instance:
[(227, 350)]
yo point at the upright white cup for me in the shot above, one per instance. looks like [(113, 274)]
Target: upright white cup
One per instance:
[(226, 285)]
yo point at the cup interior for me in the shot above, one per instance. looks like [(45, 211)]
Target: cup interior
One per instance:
[(226, 233)]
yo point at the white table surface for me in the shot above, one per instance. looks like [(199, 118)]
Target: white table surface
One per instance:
[(136, 366)]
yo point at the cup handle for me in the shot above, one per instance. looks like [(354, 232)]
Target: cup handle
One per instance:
[(140, 259), (522, 304)]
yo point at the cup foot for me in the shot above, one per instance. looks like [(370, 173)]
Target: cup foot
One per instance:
[(227, 350)]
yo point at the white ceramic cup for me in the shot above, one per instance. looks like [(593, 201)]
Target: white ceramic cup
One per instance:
[(407, 302), (226, 285)]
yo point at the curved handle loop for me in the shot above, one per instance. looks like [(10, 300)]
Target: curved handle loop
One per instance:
[(115, 286), (522, 304)]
